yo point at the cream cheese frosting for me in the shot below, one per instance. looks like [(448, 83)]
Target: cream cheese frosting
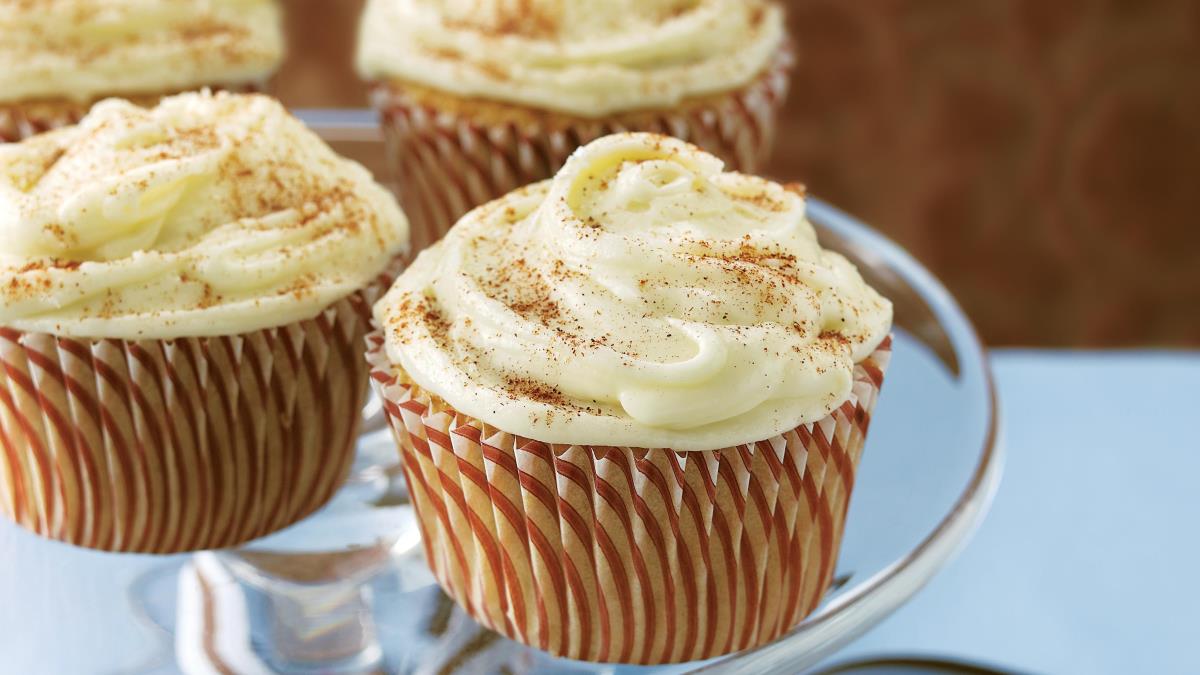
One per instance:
[(85, 49), (580, 57), (642, 297), (211, 214)]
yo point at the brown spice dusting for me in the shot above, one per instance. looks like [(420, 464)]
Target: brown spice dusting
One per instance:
[(208, 297), (525, 388), (300, 289), (739, 284), (521, 289), (415, 312), (438, 52), (523, 18), (833, 336), (109, 307), (205, 33), (55, 230), (761, 200), (757, 14), (492, 69), (286, 183)]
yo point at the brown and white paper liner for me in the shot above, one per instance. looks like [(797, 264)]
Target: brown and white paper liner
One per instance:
[(447, 162), (21, 120), (162, 446), (629, 555)]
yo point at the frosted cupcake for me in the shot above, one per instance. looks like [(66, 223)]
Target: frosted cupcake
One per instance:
[(479, 98), (630, 403), (59, 56), (184, 294)]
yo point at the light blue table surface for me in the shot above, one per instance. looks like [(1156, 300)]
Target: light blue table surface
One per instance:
[(1088, 563)]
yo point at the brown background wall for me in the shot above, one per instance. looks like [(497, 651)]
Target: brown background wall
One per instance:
[(1041, 156)]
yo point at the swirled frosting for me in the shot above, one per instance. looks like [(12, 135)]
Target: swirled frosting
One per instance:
[(640, 298), (207, 215), (84, 49), (580, 57)]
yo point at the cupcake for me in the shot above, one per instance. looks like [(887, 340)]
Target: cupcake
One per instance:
[(630, 403), (59, 56), (480, 98), (184, 293)]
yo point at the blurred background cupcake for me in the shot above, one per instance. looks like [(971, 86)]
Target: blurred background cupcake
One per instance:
[(184, 295), (60, 56), (631, 402), (479, 98), (974, 134)]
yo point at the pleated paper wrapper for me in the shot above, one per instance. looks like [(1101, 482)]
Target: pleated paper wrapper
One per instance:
[(447, 162), (20, 120), (162, 446), (629, 555)]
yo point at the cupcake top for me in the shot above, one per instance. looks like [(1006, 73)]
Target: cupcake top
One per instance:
[(207, 215), (640, 298), (83, 49), (579, 57)]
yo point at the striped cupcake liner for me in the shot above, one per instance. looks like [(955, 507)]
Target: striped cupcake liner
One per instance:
[(19, 121), (163, 446), (447, 164), (629, 555)]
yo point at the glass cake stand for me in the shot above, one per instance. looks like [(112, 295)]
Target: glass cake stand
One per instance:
[(347, 591)]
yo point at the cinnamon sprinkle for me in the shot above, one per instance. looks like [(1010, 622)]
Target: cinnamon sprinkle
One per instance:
[(526, 388), (743, 286), (279, 185)]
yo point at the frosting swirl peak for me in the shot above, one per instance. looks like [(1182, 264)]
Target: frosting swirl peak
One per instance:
[(642, 297), (209, 214), (580, 57)]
